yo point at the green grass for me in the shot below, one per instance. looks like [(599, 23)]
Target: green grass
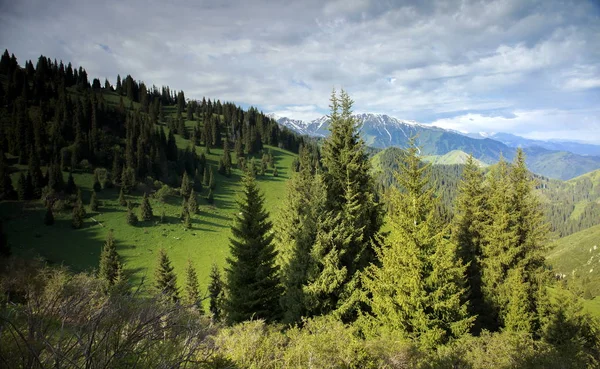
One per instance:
[(205, 243), (578, 257), (451, 158)]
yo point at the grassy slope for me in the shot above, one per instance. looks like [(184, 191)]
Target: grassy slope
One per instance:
[(578, 257), (205, 243), (451, 158)]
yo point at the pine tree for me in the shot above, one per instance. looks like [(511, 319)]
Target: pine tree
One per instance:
[(215, 293), (252, 276), (211, 179), (79, 204), (192, 203), (146, 209), (468, 234), (296, 233), (187, 219), (206, 176), (77, 221), (110, 264), (49, 217), (97, 186), (210, 198), (165, 278), (70, 187), (352, 211), (93, 202), (192, 289), (186, 186), (122, 200), (132, 219), (417, 288)]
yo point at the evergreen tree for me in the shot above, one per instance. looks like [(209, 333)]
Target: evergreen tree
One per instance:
[(70, 187), (210, 198), (111, 268), (215, 293), (468, 234), (97, 186), (192, 203), (211, 179), (77, 221), (187, 219), (186, 186), (344, 246), (418, 287), (35, 172), (296, 233), (192, 289), (122, 200), (206, 176), (79, 204), (252, 276), (146, 209), (165, 278), (49, 217), (132, 219), (22, 192), (93, 202), (197, 181)]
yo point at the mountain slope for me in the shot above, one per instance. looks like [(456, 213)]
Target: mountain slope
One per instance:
[(518, 141), (382, 131)]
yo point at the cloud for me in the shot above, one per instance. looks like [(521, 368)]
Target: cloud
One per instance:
[(425, 61)]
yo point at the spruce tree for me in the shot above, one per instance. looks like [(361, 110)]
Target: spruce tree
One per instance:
[(296, 233), (93, 202), (122, 200), (211, 179), (146, 209), (186, 186), (111, 268), (252, 276), (417, 288), (192, 288), (210, 198), (70, 187), (165, 278), (192, 203), (197, 181), (132, 219), (77, 220), (97, 186), (22, 194), (468, 234), (187, 219), (351, 205), (215, 293), (49, 217)]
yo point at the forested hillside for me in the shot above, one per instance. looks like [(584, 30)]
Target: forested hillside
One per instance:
[(222, 248)]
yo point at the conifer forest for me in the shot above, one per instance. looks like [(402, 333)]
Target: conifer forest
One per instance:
[(149, 227)]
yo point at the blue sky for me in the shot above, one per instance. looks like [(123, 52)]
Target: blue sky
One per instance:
[(526, 67)]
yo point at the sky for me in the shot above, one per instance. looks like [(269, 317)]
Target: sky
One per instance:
[(530, 68)]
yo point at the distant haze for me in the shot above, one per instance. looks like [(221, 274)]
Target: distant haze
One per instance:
[(530, 68)]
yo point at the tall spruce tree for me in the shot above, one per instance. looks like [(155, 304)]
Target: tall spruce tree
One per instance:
[(192, 288), (192, 203), (186, 186), (111, 269), (417, 288), (93, 202), (145, 209), (165, 280), (296, 233), (467, 233), (252, 276), (344, 245), (215, 293)]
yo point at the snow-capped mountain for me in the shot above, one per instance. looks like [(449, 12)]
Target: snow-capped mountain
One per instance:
[(382, 131)]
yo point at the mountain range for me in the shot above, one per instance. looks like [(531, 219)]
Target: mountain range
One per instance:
[(561, 160)]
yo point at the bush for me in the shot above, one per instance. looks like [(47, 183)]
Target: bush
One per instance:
[(163, 194)]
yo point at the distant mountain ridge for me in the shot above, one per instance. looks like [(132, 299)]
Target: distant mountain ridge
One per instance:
[(556, 145), (382, 131)]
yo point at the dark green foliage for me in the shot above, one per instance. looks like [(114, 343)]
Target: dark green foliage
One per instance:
[(344, 244), (215, 293), (296, 233), (93, 202), (6, 186), (210, 198), (70, 187), (132, 219), (77, 220), (197, 181), (122, 200), (192, 289), (165, 280), (192, 203), (252, 276), (187, 219), (49, 217), (128, 180), (97, 186), (111, 269), (145, 209), (186, 186), (24, 191)]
